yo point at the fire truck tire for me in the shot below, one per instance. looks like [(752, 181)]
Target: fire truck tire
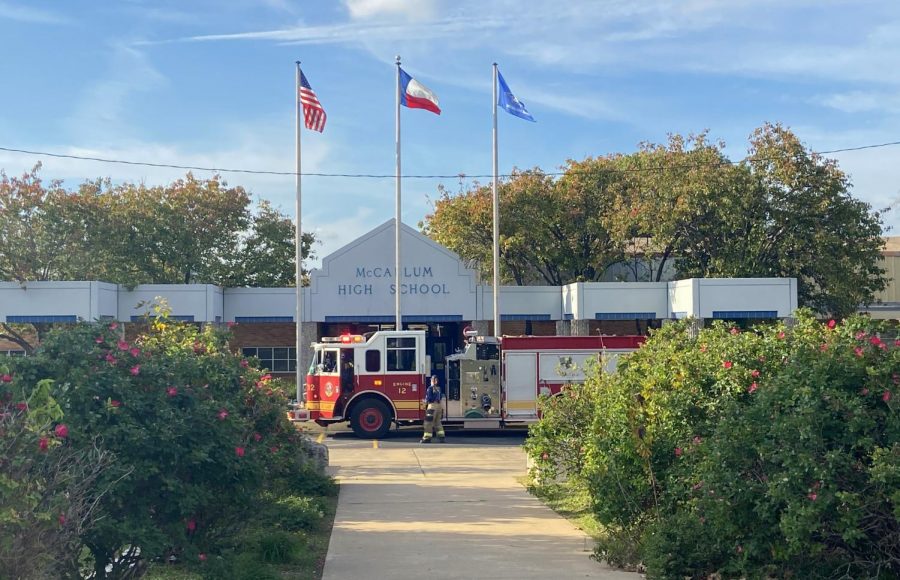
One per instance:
[(371, 419)]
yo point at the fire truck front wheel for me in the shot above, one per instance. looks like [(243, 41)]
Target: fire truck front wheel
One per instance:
[(371, 419)]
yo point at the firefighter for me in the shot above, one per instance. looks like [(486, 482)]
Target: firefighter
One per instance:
[(434, 411)]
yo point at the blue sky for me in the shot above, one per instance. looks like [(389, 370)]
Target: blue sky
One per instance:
[(211, 83)]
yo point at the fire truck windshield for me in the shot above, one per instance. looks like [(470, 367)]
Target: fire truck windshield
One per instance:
[(324, 361)]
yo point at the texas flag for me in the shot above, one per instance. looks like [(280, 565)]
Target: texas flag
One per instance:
[(415, 95)]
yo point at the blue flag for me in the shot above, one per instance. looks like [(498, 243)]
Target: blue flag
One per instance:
[(508, 101)]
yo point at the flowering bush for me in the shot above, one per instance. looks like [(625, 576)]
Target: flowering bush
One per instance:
[(773, 450), (197, 434)]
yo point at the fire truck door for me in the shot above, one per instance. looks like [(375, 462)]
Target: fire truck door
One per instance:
[(521, 383)]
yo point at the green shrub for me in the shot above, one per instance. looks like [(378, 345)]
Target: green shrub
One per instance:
[(198, 435)]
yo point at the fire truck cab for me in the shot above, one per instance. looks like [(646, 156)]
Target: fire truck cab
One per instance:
[(493, 383)]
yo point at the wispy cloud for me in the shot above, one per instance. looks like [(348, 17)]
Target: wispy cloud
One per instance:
[(29, 14), (412, 11)]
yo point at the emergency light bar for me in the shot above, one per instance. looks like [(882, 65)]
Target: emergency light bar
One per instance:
[(344, 338)]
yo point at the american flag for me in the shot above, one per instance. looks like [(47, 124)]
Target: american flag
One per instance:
[(313, 113)]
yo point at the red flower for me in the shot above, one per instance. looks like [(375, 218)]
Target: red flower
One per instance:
[(754, 373), (781, 335), (199, 348), (110, 358), (726, 364), (812, 496), (223, 414), (62, 519), (61, 431), (858, 350), (231, 324), (245, 364), (860, 335), (886, 396), (135, 351), (678, 452), (897, 342), (191, 525), (273, 449), (752, 388), (239, 451), (875, 340), (113, 325), (123, 345), (99, 340), (265, 378), (6, 378), (864, 391), (135, 370), (172, 391), (115, 403), (832, 323), (257, 437), (201, 556), (21, 406), (735, 331), (823, 347), (43, 444)]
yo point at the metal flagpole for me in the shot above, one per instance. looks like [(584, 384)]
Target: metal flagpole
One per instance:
[(298, 250), (397, 279), (496, 198)]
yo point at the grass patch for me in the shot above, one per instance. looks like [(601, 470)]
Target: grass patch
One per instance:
[(572, 502), (293, 549)]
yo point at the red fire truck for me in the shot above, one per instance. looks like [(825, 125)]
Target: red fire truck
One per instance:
[(379, 380)]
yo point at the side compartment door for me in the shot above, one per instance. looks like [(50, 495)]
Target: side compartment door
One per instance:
[(520, 384)]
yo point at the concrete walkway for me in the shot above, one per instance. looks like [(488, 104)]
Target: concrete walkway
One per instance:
[(448, 511)]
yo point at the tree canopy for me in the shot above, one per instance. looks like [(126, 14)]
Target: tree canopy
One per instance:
[(680, 209), (188, 231)]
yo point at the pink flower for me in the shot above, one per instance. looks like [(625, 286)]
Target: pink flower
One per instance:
[(239, 451), (43, 444), (191, 525), (257, 437), (812, 496), (860, 335), (678, 452), (223, 414), (886, 396), (21, 406), (61, 431), (864, 391), (265, 378), (135, 351), (244, 363), (735, 331), (754, 373), (858, 350), (135, 370), (7, 378), (115, 403), (110, 358), (726, 364), (113, 325), (823, 347), (273, 449), (62, 519), (832, 323), (697, 440), (172, 391), (99, 340), (122, 345), (897, 342), (875, 340), (231, 324), (201, 556), (781, 335), (752, 388)]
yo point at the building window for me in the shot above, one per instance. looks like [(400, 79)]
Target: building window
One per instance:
[(401, 354), (278, 359), (12, 353)]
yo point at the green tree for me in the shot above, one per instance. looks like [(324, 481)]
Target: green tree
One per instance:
[(265, 257)]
